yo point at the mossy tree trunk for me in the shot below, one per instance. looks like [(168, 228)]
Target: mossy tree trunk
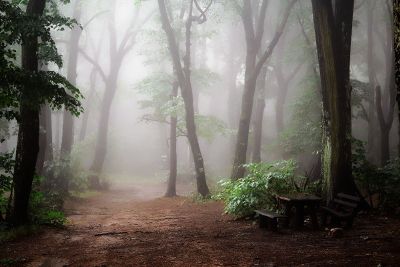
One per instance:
[(333, 29)]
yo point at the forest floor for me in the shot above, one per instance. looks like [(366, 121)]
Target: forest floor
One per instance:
[(131, 225)]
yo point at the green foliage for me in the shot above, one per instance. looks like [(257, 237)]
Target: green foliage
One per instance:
[(6, 170), (383, 182), (303, 133), (39, 87), (45, 206), (260, 187)]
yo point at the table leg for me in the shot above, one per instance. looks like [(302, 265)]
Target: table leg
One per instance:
[(314, 219), (288, 208), (299, 216)]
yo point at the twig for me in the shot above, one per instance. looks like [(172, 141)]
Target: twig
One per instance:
[(110, 233)]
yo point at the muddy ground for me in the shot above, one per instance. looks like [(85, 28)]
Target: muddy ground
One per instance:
[(132, 225)]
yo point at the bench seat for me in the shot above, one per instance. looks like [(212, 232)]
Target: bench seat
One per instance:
[(269, 219)]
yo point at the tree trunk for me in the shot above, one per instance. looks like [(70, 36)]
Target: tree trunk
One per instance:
[(85, 117), (45, 139), (173, 170), (68, 119), (253, 68), (183, 76), (28, 135), (42, 141), (102, 134), (333, 29), (259, 116), (372, 120)]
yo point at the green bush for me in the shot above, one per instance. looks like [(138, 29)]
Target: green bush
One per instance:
[(45, 206), (6, 168), (383, 182), (260, 187)]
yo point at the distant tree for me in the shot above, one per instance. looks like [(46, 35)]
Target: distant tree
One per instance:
[(385, 103), (73, 52), (333, 30), (184, 79), (117, 51), (254, 34)]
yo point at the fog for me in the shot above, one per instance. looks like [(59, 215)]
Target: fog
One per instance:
[(124, 40)]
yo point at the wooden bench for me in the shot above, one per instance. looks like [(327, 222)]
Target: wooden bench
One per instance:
[(269, 219), (343, 207)]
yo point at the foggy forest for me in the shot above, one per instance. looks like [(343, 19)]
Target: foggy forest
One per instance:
[(199, 133)]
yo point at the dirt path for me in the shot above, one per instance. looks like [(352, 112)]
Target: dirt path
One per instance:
[(129, 226)]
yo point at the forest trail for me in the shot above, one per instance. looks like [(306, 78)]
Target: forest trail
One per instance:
[(132, 225)]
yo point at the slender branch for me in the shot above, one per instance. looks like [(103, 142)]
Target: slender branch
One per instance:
[(260, 25), (94, 63), (93, 18), (274, 41), (202, 17)]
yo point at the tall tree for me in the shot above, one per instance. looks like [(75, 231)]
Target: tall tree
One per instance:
[(396, 45), (184, 80), (73, 52), (385, 103), (28, 134), (333, 30), (117, 52), (254, 34)]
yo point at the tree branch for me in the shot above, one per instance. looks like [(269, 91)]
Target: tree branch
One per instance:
[(274, 41), (94, 63)]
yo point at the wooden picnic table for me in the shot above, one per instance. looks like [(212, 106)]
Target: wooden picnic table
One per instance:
[(299, 201)]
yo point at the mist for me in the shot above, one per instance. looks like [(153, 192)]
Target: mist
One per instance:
[(222, 107)]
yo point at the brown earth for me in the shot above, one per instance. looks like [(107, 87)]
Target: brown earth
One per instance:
[(129, 226)]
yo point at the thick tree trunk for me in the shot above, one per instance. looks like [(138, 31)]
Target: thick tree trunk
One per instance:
[(173, 170), (333, 29), (183, 76), (28, 135)]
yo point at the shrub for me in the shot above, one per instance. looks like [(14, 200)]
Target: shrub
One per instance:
[(45, 206), (382, 182), (259, 188)]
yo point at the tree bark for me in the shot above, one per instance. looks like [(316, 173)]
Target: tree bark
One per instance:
[(28, 134), (183, 76), (253, 68), (333, 29)]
